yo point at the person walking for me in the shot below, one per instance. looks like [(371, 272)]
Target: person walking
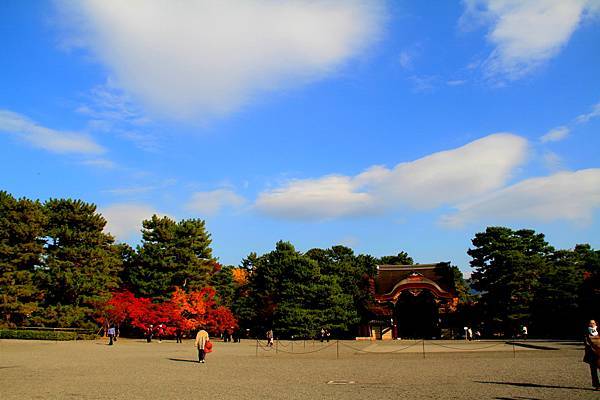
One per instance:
[(149, 333), (178, 335), (270, 338), (111, 335), (201, 342), (160, 332), (592, 352)]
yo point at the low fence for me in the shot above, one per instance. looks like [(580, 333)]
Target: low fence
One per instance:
[(47, 333), (418, 347)]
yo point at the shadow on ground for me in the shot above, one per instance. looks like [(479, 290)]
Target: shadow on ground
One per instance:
[(534, 385), (183, 360), (516, 398)]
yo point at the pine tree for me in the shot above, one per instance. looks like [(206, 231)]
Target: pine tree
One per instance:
[(81, 264), (507, 267), (171, 255), (21, 246)]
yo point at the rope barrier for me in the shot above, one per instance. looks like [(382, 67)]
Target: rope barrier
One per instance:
[(337, 343), (463, 349), (382, 352), (309, 352), (265, 348)]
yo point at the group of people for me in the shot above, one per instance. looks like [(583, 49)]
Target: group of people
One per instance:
[(470, 335), (325, 334), (159, 331)]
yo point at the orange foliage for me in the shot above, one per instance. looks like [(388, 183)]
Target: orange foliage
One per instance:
[(240, 276), (186, 311)]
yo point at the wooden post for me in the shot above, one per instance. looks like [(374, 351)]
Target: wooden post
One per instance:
[(257, 347), (276, 345), (514, 350), (337, 345), (423, 348)]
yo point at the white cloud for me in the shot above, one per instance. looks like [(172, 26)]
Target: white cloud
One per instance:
[(440, 178), (583, 118), (406, 59), (423, 83), (45, 138), (456, 82), (210, 203), (100, 163), (556, 134), (209, 57), (552, 161), (571, 196), (124, 220), (327, 197), (526, 33)]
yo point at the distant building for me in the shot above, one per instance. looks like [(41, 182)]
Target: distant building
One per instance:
[(411, 301)]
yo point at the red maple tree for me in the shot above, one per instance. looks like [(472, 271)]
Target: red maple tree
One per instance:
[(184, 311)]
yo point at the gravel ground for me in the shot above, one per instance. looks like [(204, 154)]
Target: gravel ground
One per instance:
[(133, 369)]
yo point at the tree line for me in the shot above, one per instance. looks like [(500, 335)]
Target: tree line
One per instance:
[(59, 268), (521, 280)]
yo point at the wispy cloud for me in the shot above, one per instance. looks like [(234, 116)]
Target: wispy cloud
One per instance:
[(124, 220), (552, 161), (211, 202), (113, 111), (570, 196), (456, 82), (441, 178), (562, 132), (406, 59), (139, 189), (100, 163), (556, 134), (56, 141), (195, 59), (583, 118), (525, 34), (423, 83)]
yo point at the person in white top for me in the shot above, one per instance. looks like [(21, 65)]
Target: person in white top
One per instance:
[(201, 341), (592, 350)]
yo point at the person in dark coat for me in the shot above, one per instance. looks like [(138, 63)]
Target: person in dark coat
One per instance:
[(149, 333), (111, 335), (592, 352)]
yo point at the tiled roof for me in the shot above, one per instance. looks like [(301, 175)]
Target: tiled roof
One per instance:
[(388, 276)]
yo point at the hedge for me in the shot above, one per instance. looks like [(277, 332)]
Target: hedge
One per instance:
[(43, 335)]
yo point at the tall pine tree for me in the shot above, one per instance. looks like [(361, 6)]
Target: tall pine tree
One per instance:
[(172, 254), (81, 264), (21, 246)]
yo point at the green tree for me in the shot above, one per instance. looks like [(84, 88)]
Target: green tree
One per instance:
[(21, 246), (557, 297), (172, 254), (401, 258), (507, 265), (222, 282), (352, 274), (81, 264)]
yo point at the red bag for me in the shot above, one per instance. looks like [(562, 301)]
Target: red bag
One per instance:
[(208, 347)]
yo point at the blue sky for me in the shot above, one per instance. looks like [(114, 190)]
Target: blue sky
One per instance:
[(384, 126)]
